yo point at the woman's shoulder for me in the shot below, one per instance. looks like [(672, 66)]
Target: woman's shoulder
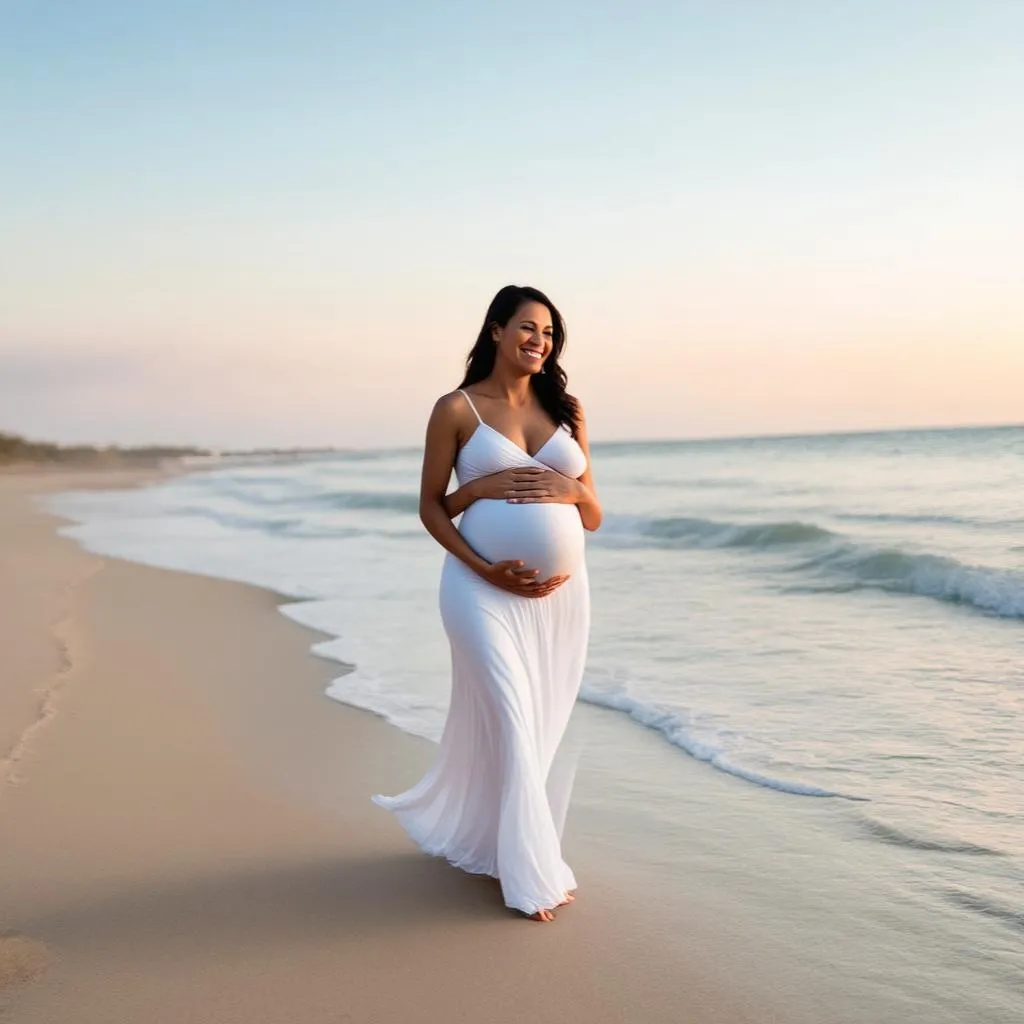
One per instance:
[(453, 412), (452, 401)]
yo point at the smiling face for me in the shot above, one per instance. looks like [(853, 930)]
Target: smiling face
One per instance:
[(527, 339)]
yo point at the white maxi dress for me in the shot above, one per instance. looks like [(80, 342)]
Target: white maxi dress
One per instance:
[(490, 803)]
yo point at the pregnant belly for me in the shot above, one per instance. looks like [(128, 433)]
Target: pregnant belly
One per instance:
[(545, 536)]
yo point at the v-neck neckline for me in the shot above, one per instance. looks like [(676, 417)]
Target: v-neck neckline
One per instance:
[(508, 440), (518, 448)]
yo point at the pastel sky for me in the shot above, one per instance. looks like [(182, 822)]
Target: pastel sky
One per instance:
[(249, 223)]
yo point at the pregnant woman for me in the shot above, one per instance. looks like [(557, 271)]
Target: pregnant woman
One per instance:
[(514, 602)]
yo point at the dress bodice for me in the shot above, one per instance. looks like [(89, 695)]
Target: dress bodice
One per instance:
[(489, 451)]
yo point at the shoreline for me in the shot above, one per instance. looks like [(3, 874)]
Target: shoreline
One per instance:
[(157, 851)]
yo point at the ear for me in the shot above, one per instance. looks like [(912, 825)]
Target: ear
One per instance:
[(495, 333)]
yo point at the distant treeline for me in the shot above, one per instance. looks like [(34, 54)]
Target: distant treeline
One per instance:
[(19, 449)]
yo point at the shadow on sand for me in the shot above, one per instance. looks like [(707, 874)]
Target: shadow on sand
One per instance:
[(339, 898)]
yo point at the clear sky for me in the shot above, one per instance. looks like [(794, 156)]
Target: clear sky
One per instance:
[(242, 223)]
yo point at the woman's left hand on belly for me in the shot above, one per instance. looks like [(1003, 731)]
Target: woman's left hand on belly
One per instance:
[(536, 484)]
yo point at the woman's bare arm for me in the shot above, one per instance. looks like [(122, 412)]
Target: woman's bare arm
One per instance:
[(456, 502), (588, 505), (442, 443)]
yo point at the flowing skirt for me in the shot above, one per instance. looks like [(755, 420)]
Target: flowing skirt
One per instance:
[(490, 803)]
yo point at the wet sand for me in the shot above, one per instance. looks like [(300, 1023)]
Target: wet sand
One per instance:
[(158, 864)]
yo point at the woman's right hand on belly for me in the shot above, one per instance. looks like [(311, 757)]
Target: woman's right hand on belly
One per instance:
[(501, 486), (514, 577)]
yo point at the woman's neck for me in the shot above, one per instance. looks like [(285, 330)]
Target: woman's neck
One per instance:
[(513, 388)]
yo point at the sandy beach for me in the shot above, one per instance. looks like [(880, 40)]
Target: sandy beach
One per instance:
[(157, 865)]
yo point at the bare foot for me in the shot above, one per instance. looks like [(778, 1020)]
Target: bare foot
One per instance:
[(570, 895), (542, 915)]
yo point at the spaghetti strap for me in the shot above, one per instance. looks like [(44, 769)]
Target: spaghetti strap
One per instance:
[(479, 419)]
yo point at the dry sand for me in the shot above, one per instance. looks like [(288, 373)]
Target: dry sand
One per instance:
[(150, 871)]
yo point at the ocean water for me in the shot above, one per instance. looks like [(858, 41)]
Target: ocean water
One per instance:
[(827, 631)]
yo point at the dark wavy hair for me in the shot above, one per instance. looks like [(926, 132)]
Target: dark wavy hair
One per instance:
[(549, 384)]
